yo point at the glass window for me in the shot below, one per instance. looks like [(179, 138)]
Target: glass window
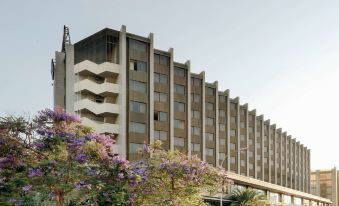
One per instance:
[(160, 97), (156, 58), (161, 59), (232, 146), (232, 160), (137, 107), (222, 113), (210, 106), (137, 65), (179, 124), (195, 114), (242, 124), (179, 107), (242, 112), (242, 137), (195, 81), (195, 97), (233, 119), (137, 45), (209, 91), (209, 137), (179, 72), (160, 116), (232, 132), (250, 129), (222, 99), (160, 135), (242, 163), (137, 127), (209, 121), (137, 86), (222, 156), (179, 141), (135, 148), (233, 106), (222, 142), (209, 152), (180, 89), (222, 127), (195, 130), (160, 78), (195, 147)]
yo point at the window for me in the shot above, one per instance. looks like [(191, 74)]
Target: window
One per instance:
[(137, 127), (160, 135), (232, 146), (195, 147), (209, 121), (209, 152), (209, 137), (160, 97), (242, 124), (232, 132), (233, 120), (180, 89), (160, 59), (179, 124), (160, 116), (250, 154), (242, 163), (137, 45), (222, 113), (209, 91), (195, 130), (195, 81), (179, 72), (242, 137), (137, 86), (222, 142), (135, 148), (179, 107), (160, 78), (210, 106), (242, 112), (138, 66), (222, 127), (222, 99), (250, 130), (137, 107), (233, 106), (232, 160), (179, 141), (250, 166), (195, 114), (195, 97), (222, 156)]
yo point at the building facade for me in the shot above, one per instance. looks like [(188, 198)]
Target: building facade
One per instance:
[(324, 183), (120, 84)]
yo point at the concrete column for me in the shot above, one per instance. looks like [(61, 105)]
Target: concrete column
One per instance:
[(151, 87), (285, 157), (216, 124), (255, 146), (59, 80), (228, 140), (171, 97), (269, 149), (247, 145), (70, 78), (188, 103), (122, 81), (203, 153), (262, 148), (238, 134)]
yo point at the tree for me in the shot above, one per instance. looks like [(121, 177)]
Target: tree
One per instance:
[(54, 160), (171, 178), (247, 197)]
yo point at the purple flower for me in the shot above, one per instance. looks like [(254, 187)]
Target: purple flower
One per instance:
[(81, 185), (27, 188), (35, 172), (6, 161), (81, 158)]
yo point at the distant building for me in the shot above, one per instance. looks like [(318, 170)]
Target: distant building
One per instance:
[(120, 84), (324, 183)]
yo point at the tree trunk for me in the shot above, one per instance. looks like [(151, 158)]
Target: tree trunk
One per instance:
[(59, 199)]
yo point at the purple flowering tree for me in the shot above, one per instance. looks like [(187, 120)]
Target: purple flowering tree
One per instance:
[(54, 160), (171, 178)]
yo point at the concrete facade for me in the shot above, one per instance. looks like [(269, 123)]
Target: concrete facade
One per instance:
[(120, 84)]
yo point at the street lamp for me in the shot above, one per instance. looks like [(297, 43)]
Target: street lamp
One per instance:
[(222, 162)]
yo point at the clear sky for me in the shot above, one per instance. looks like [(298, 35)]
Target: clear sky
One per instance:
[(281, 56)]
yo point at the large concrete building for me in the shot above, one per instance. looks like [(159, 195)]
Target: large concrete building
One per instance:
[(120, 84), (324, 183)]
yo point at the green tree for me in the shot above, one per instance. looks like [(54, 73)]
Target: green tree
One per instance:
[(172, 178), (247, 197)]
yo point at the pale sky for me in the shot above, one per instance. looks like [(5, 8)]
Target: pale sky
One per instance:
[(280, 56)]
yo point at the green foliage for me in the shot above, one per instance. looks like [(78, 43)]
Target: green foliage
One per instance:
[(248, 197)]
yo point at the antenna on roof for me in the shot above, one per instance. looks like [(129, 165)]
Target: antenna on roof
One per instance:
[(66, 39)]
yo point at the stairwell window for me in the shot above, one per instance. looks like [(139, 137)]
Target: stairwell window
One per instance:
[(195, 147), (179, 124), (160, 116), (179, 72), (160, 78), (179, 141), (135, 148), (180, 89), (160, 97), (222, 142), (209, 152), (209, 137), (137, 107), (137, 45), (179, 107), (160, 135), (137, 127)]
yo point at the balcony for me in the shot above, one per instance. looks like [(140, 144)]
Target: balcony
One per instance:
[(95, 88), (101, 127), (103, 69), (96, 108)]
